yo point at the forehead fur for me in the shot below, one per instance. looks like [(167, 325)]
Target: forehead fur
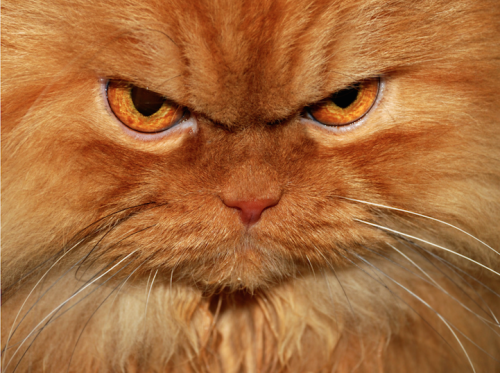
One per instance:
[(255, 61)]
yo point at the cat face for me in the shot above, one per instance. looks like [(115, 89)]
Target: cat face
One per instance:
[(246, 79), (248, 187)]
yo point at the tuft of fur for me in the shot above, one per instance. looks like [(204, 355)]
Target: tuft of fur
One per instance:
[(118, 255)]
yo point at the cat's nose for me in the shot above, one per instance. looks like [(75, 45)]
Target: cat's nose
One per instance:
[(251, 210)]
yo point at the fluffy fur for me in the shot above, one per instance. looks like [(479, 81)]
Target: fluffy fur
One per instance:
[(118, 254)]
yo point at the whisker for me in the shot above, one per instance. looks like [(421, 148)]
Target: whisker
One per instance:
[(384, 285), (39, 298), (74, 237), (64, 252), (147, 282), (149, 293), (427, 242), (343, 289), (97, 274), (54, 318), (400, 266), (458, 340), (128, 277), (463, 334), (446, 322), (454, 270), (338, 280), (214, 322), (60, 252), (171, 278), (418, 267), (116, 224), (446, 292), (435, 284), (98, 307), (426, 217), (123, 239), (99, 285), (310, 264), (486, 322), (91, 251), (65, 273), (29, 295), (62, 305), (332, 301)]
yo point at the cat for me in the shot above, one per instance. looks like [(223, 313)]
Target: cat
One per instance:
[(250, 186)]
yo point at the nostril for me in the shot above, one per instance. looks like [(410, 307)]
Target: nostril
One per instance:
[(251, 210)]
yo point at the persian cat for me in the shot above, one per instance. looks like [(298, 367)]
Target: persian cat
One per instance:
[(251, 186)]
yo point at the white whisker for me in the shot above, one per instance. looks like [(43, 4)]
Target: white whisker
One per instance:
[(310, 264), (95, 311), (458, 340), (31, 292), (427, 305), (446, 292), (383, 284), (124, 282), (149, 293), (62, 305), (147, 282), (119, 289), (427, 242), (424, 216), (329, 291), (455, 270), (171, 279), (338, 280), (417, 266)]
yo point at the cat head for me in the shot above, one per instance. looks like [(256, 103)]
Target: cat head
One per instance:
[(247, 185)]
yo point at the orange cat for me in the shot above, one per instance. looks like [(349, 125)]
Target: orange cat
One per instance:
[(251, 186)]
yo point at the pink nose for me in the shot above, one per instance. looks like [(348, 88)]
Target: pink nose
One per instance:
[(250, 211)]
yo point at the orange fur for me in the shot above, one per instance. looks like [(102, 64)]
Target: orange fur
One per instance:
[(311, 287)]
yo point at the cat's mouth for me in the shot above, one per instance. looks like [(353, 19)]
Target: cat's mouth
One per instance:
[(215, 248)]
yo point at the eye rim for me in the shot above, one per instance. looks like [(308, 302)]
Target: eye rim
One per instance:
[(185, 114), (353, 123)]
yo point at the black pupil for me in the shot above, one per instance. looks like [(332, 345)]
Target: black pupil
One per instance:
[(345, 97), (146, 102)]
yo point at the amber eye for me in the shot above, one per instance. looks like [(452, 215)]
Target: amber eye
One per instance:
[(141, 109), (347, 105)]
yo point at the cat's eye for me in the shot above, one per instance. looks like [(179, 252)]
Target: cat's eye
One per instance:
[(347, 105), (143, 110)]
